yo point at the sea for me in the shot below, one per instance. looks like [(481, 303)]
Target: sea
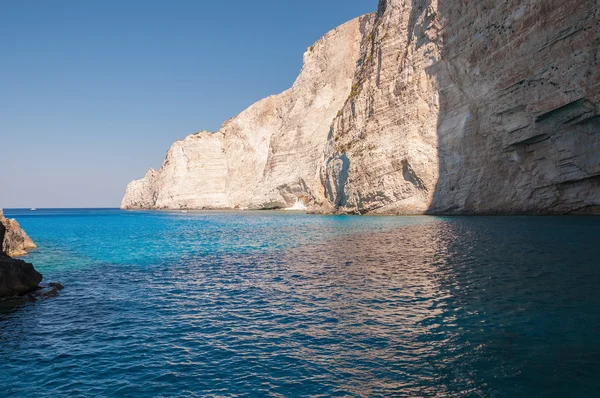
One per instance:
[(274, 304)]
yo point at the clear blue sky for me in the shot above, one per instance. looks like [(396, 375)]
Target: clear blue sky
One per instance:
[(93, 93)]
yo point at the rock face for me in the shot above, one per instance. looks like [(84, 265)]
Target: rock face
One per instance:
[(519, 124), (427, 106), (142, 193), (270, 154), (472, 107), (382, 156), (15, 241), (16, 276)]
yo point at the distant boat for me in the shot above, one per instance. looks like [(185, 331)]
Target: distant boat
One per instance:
[(33, 209), (184, 211)]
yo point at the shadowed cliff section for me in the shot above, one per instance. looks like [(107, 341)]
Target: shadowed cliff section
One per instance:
[(519, 120), (472, 107)]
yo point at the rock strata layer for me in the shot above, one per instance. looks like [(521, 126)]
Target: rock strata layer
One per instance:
[(427, 106), (16, 276)]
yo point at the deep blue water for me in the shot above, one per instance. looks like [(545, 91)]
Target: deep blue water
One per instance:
[(272, 304)]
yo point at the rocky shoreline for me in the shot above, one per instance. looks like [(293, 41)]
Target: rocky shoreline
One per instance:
[(18, 278)]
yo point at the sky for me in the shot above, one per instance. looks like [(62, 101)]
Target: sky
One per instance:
[(93, 93)]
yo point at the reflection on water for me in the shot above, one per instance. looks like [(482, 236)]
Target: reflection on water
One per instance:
[(426, 307)]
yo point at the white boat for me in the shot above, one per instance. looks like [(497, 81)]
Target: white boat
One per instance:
[(33, 209)]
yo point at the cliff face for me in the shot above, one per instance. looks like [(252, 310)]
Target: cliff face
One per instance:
[(15, 242), (519, 124), (269, 155), (382, 156), (472, 107), (439, 106), (142, 193)]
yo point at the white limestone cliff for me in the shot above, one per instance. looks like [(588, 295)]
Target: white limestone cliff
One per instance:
[(269, 155), (142, 193), (427, 106)]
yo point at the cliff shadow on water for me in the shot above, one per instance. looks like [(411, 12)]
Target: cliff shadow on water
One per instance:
[(519, 105)]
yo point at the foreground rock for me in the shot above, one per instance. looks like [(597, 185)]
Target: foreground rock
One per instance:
[(15, 242), (427, 106), (17, 277)]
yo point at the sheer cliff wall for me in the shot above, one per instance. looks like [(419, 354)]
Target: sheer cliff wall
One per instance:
[(427, 106)]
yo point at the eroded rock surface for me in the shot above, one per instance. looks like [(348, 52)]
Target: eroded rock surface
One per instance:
[(15, 241), (142, 193), (427, 106)]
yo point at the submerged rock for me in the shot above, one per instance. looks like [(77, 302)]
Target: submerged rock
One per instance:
[(46, 291), (41, 292)]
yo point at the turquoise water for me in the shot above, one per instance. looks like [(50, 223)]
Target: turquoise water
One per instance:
[(272, 304)]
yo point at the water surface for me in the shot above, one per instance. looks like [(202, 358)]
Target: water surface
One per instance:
[(273, 304)]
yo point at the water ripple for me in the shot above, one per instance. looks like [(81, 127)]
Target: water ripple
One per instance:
[(313, 306)]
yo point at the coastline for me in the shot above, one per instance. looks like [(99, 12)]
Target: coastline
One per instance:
[(374, 214), (28, 212)]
